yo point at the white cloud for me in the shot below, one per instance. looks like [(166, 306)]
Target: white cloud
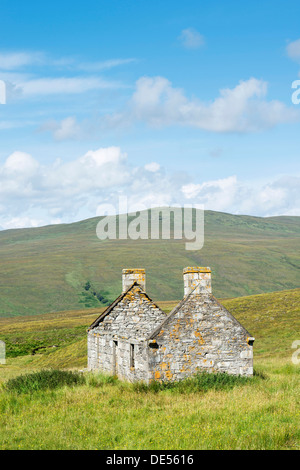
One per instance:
[(63, 85), (219, 194), (153, 167), (275, 198), (20, 59), (280, 197), (157, 103), (20, 163), (15, 60), (19, 83), (94, 170), (293, 50), (191, 190), (36, 194), (102, 156), (104, 65), (21, 222), (68, 128), (191, 39), (240, 109)]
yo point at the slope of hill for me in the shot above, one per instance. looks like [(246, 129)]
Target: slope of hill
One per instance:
[(60, 339), (64, 267)]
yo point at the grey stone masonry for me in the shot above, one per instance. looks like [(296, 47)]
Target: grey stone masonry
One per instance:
[(117, 342), (135, 340), (199, 335), (129, 276), (197, 280)]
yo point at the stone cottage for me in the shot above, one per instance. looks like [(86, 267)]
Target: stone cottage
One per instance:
[(135, 340)]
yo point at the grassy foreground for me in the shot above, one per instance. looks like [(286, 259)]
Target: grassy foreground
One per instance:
[(108, 414), (101, 412)]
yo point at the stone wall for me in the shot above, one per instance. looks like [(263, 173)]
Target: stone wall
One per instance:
[(117, 344), (126, 359), (134, 317), (129, 276), (136, 340), (201, 335), (197, 280)]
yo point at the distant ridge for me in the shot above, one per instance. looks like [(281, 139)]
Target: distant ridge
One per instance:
[(64, 267)]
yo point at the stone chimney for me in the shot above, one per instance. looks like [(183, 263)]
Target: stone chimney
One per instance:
[(129, 276), (197, 276)]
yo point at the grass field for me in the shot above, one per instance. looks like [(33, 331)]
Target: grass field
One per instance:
[(104, 413)]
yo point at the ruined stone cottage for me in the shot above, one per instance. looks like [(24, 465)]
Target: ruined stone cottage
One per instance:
[(135, 340)]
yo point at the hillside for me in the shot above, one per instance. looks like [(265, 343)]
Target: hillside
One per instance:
[(60, 339), (66, 267)]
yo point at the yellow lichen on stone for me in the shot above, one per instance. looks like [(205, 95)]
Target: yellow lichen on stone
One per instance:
[(197, 269), (199, 337)]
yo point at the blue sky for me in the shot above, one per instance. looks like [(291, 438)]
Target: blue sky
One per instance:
[(163, 102)]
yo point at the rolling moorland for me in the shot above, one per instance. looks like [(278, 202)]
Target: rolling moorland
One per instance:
[(66, 267), (56, 280), (103, 413)]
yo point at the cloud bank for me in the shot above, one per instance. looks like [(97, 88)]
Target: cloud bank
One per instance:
[(32, 194), (157, 104), (239, 109)]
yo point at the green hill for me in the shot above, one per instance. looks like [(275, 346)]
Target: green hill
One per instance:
[(66, 267)]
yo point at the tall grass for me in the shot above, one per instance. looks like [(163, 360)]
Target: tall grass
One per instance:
[(43, 380), (200, 382), (206, 412), (54, 378)]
